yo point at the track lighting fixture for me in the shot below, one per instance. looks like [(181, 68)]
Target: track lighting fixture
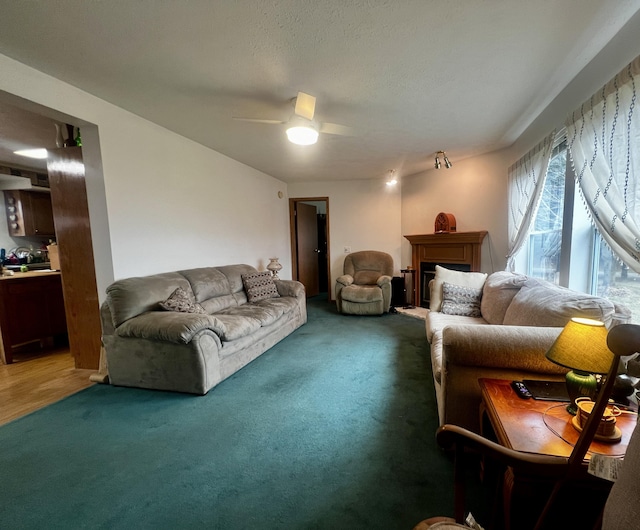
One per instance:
[(438, 164), (392, 180)]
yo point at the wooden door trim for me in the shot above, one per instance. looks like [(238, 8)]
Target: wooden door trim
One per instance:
[(292, 233), (73, 234)]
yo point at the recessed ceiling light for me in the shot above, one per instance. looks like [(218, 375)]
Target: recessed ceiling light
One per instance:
[(32, 153)]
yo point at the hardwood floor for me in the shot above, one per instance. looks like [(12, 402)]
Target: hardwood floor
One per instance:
[(36, 379)]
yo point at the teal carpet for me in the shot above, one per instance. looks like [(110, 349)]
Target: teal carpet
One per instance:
[(333, 428)]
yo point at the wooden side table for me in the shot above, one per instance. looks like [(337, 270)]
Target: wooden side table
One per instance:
[(409, 292), (542, 427), (528, 424)]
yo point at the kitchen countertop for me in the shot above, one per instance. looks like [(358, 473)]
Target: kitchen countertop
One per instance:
[(31, 274)]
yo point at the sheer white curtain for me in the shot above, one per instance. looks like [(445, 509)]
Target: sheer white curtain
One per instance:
[(603, 138), (526, 182)]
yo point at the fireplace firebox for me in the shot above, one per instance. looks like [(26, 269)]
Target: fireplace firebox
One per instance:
[(428, 273)]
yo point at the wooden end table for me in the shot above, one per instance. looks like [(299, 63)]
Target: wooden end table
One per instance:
[(528, 425)]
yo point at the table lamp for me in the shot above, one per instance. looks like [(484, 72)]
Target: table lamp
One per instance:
[(623, 340), (582, 347)]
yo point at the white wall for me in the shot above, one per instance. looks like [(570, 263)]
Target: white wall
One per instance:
[(363, 215), (474, 190), (158, 201)]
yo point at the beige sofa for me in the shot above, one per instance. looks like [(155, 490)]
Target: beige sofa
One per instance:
[(520, 317), (215, 331)]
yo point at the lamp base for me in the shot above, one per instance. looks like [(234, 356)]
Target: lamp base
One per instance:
[(579, 384)]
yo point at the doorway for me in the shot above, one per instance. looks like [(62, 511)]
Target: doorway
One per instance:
[(309, 226), (71, 218)]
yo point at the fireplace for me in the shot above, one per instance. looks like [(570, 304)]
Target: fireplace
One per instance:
[(428, 273), (452, 250)]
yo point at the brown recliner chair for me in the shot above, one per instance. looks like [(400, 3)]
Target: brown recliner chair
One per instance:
[(365, 286)]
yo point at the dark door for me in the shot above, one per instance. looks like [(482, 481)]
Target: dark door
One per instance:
[(307, 247)]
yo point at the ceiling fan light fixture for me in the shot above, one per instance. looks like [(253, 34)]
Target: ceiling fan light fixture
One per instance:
[(301, 131), (302, 135)]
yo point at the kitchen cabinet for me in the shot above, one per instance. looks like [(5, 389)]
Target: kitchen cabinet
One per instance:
[(31, 309), (29, 213)]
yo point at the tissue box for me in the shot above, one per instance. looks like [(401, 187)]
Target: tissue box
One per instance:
[(54, 257)]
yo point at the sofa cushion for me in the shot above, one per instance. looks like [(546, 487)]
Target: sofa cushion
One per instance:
[(282, 305), (497, 294), (436, 321), (219, 303), (361, 294), (130, 297), (540, 303), (266, 315), (237, 326), (180, 300), (234, 276), (207, 282), (458, 300), (464, 279), (259, 285)]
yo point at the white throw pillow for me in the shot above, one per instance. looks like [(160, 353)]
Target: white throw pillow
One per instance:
[(474, 280)]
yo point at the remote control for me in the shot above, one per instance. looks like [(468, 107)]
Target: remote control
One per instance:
[(520, 389)]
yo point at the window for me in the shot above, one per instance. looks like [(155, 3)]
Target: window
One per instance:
[(614, 280), (545, 239), (564, 248)]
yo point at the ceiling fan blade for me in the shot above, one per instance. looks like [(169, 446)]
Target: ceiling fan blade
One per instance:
[(334, 128), (305, 105), (258, 120)]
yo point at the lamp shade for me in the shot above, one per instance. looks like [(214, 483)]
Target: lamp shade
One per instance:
[(582, 345)]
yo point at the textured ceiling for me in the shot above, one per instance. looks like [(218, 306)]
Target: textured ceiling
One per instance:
[(410, 77)]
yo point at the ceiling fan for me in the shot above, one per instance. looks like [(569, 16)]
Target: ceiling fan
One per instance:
[(302, 129)]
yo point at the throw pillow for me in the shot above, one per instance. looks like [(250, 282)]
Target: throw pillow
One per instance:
[(464, 279), (181, 301), (259, 286), (459, 300)]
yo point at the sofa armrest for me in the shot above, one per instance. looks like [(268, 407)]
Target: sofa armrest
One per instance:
[(106, 319), (384, 280), (345, 279), (498, 346), (289, 288), (170, 326)]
